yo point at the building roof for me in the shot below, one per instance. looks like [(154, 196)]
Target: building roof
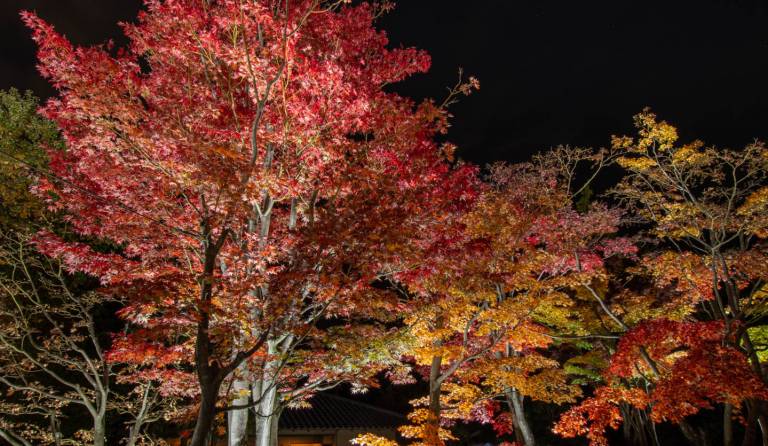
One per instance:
[(335, 412)]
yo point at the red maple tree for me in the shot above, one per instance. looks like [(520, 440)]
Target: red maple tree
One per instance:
[(255, 176)]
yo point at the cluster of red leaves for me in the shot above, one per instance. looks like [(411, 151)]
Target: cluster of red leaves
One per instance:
[(694, 368), (594, 415), (698, 367)]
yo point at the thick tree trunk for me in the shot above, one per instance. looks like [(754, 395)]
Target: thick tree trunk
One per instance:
[(518, 434), (728, 425), (99, 431), (762, 423), (267, 417), (237, 420), (754, 432), (205, 415), (515, 400), (268, 410), (267, 433), (208, 374)]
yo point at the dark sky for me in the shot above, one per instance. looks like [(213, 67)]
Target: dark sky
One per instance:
[(567, 71)]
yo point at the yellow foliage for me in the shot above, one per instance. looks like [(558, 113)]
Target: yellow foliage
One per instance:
[(372, 440), (636, 163), (690, 154), (653, 133), (755, 208)]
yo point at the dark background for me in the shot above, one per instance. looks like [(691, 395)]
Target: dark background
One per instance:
[(552, 72)]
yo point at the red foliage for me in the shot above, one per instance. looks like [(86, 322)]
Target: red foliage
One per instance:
[(694, 368), (250, 167), (596, 414), (698, 367)]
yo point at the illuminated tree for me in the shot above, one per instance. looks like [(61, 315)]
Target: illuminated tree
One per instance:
[(478, 328), (254, 174), (688, 336)]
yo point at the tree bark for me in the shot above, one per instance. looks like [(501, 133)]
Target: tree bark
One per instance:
[(751, 430), (133, 435), (55, 429), (267, 434), (269, 408), (237, 420), (99, 431), (267, 416), (728, 425), (208, 374), (515, 401), (205, 415), (518, 434), (763, 424), (432, 436)]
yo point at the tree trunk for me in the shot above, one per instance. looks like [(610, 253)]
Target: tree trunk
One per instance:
[(205, 415), (267, 417), (518, 434), (133, 434), (515, 400), (268, 410), (267, 433), (751, 430), (728, 425), (99, 431), (638, 429), (208, 374), (763, 424), (432, 434), (55, 429), (237, 420)]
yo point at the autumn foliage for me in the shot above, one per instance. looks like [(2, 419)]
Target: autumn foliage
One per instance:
[(268, 220), (255, 175)]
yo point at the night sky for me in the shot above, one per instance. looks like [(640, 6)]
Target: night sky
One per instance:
[(552, 72)]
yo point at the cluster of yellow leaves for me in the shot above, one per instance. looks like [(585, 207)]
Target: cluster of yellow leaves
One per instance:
[(759, 336), (691, 154), (533, 374), (559, 310), (755, 208), (634, 308), (677, 220), (686, 273), (460, 399), (654, 133), (424, 429), (636, 163), (432, 326), (372, 440)]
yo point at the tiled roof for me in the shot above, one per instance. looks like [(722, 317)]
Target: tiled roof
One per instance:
[(335, 412)]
